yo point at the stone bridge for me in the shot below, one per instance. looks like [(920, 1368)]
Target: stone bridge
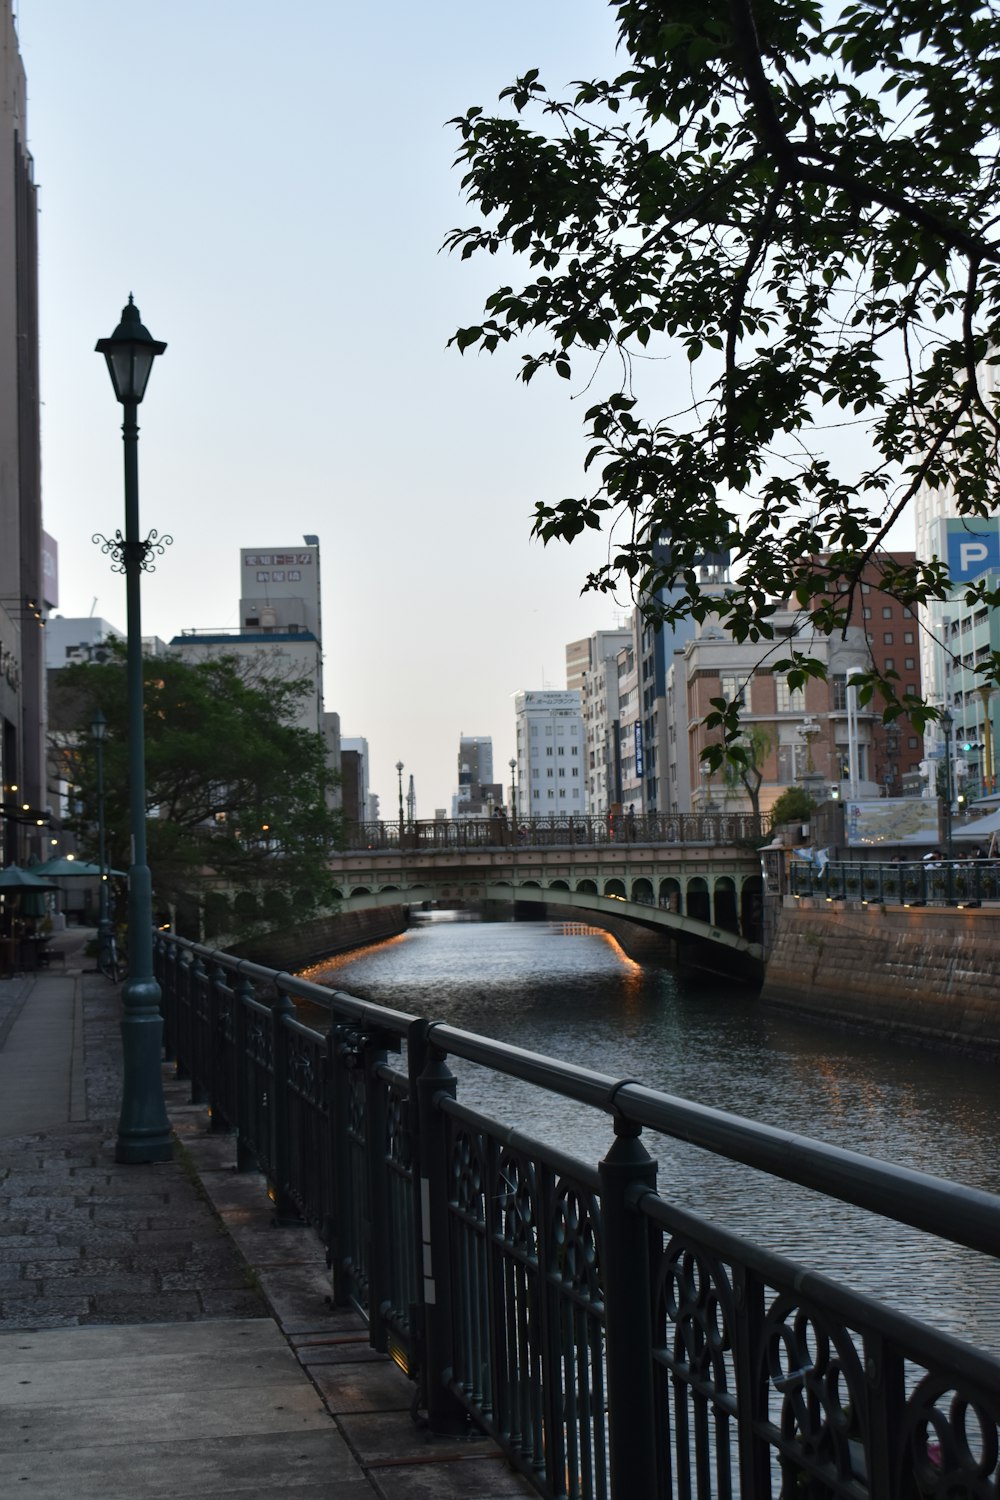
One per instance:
[(692, 888)]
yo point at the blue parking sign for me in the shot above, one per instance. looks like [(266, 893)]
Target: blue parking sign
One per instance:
[(973, 547)]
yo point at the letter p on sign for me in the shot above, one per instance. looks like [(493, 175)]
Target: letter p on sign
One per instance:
[(971, 553)]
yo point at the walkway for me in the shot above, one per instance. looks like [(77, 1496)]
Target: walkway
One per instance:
[(158, 1336)]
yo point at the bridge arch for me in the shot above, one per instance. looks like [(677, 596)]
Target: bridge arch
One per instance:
[(697, 899), (587, 887), (724, 906), (614, 887), (642, 890), (360, 890), (671, 895), (558, 885)]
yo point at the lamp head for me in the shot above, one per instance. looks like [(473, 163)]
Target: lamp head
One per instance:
[(99, 727), (130, 352)]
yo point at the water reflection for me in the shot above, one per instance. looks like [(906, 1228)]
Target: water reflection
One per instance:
[(553, 988)]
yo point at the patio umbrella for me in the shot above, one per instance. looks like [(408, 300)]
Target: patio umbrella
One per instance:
[(13, 879), (61, 868)]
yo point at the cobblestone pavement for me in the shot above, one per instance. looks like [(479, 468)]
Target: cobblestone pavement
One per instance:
[(84, 1240)]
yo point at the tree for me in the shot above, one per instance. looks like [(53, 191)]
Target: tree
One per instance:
[(236, 796), (798, 203), (746, 764), (793, 806)]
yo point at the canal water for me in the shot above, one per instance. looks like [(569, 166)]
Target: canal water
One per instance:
[(572, 993)]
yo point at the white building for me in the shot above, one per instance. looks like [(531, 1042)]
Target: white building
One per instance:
[(280, 634), (71, 639), (551, 761)]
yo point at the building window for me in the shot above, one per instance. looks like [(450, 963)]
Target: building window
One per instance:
[(909, 663), (574, 750), (562, 770), (562, 791), (789, 700), (562, 749), (907, 637), (735, 690), (887, 611), (576, 771), (866, 613), (536, 794), (887, 638), (550, 772), (890, 664), (548, 749)]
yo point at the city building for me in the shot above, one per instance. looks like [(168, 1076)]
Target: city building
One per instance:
[(70, 639), (478, 794), (550, 754), (893, 634), (591, 670), (280, 633), (355, 796), (25, 588), (814, 734)]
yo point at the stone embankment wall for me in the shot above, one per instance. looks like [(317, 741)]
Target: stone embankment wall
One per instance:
[(297, 947), (928, 974)]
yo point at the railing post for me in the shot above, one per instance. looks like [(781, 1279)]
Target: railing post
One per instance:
[(339, 1189), (625, 1172), (285, 1211), (199, 979), (216, 1051), (444, 1413), (166, 973), (246, 1161), (373, 1053)]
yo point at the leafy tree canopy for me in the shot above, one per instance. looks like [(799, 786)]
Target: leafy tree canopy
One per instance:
[(792, 206), (236, 796)]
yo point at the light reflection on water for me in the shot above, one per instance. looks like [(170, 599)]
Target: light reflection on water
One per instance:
[(578, 997)]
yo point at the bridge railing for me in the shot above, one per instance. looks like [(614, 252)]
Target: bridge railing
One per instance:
[(941, 882), (498, 832), (613, 1343)]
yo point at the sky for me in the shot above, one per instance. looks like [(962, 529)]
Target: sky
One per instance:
[(274, 184)]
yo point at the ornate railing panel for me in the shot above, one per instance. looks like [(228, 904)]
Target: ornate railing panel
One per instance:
[(614, 1344), (942, 882)]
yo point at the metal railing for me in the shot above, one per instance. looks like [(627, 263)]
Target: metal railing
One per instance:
[(941, 882), (612, 1343), (497, 832)]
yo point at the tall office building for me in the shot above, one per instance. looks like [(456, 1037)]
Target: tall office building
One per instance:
[(550, 754), (477, 792), (280, 634), (22, 588)]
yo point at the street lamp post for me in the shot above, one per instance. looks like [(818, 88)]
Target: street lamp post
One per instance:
[(513, 790), (143, 1127), (99, 733), (399, 774), (947, 723)]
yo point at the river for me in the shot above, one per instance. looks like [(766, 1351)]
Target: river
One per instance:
[(554, 988)]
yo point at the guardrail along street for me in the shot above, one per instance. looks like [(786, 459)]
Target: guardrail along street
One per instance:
[(614, 1344)]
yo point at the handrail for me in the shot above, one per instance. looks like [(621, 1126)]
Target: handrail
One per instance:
[(617, 829), (916, 1198), (593, 1327)]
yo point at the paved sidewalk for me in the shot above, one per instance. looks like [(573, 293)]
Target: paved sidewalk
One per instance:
[(158, 1335)]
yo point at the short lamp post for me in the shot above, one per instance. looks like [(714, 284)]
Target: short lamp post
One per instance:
[(399, 774), (947, 724), (143, 1127), (513, 789), (99, 733)]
